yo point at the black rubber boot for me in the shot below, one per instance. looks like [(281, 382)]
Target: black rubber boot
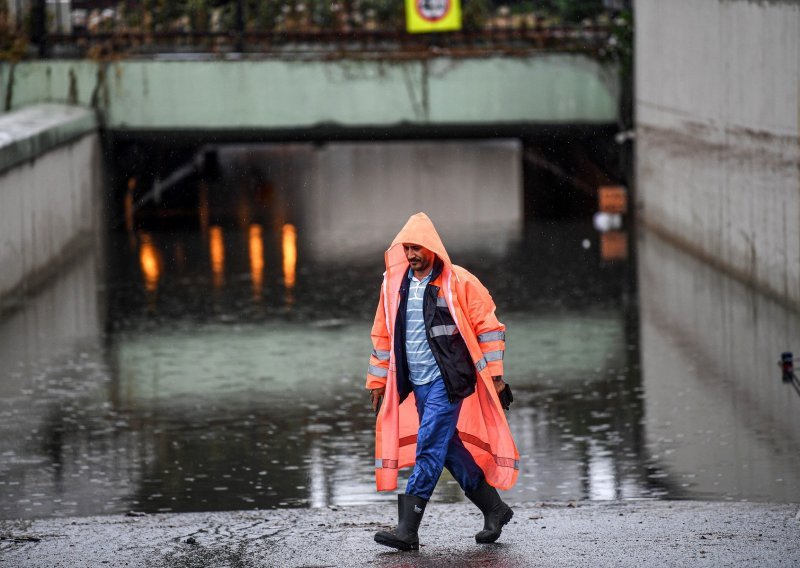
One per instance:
[(410, 509), (495, 512)]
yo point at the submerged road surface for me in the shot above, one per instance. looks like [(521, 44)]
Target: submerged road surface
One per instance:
[(621, 533)]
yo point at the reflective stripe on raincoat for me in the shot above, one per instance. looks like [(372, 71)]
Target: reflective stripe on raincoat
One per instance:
[(482, 424)]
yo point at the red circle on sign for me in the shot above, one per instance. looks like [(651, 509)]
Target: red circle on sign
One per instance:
[(433, 10)]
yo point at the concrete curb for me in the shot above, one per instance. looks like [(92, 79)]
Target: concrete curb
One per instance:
[(630, 533)]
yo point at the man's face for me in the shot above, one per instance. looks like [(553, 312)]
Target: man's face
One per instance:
[(418, 257)]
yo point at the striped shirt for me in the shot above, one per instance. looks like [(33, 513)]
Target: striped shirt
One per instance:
[(421, 364)]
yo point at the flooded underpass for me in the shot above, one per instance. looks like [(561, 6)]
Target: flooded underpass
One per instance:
[(212, 356)]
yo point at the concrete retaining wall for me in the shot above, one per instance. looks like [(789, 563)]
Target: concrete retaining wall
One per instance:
[(50, 178), (471, 190), (352, 198), (718, 117)]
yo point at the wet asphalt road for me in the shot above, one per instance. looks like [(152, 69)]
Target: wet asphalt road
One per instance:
[(631, 533)]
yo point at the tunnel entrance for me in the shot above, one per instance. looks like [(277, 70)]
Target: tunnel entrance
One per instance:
[(235, 271), (556, 173), (562, 173)]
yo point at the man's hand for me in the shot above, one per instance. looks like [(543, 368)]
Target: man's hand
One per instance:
[(375, 394), (503, 392)]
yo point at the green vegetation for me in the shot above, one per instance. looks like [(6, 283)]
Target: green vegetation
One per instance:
[(13, 43), (475, 14), (149, 17)]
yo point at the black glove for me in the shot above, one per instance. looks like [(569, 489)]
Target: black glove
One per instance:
[(506, 397)]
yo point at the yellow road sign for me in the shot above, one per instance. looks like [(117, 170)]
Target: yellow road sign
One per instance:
[(424, 16)]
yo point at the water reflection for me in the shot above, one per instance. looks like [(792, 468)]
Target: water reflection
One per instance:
[(216, 249), (289, 246), (256, 260), (253, 396), (150, 262), (197, 403), (49, 366), (614, 245), (719, 420)]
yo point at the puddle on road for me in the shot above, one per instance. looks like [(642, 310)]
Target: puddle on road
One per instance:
[(224, 370), (222, 402)]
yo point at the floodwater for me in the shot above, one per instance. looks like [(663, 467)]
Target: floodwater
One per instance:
[(210, 360)]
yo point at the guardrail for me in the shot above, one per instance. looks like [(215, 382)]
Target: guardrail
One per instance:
[(80, 29), (330, 42)]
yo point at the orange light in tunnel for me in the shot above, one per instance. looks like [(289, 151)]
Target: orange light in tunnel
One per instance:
[(216, 247), (203, 208), (150, 262), (289, 241), (256, 242), (129, 211)]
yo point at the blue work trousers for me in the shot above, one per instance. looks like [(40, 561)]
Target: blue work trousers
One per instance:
[(438, 445)]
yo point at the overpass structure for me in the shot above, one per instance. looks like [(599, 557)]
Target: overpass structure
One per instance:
[(276, 98), (206, 98)]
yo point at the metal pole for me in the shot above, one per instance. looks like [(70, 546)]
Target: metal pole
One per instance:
[(59, 28), (240, 26), (39, 26)]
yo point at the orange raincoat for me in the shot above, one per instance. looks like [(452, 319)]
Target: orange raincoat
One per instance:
[(482, 424)]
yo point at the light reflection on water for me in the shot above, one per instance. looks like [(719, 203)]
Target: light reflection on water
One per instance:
[(227, 372), (719, 420), (204, 396), (256, 260), (200, 402)]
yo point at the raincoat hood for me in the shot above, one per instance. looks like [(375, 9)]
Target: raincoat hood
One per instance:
[(418, 230)]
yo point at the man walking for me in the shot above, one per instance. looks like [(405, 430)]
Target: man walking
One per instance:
[(436, 381)]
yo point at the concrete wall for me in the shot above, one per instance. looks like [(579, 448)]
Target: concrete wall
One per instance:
[(363, 194), (50, 183), (717, 415), (718, 118), (353, 198), (271, 94)]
